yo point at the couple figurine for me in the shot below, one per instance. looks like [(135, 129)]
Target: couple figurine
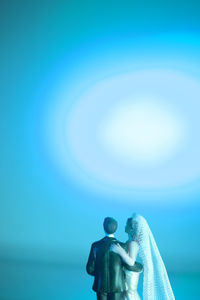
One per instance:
[(114, 267)]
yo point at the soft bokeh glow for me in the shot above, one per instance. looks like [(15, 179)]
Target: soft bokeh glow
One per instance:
[(133, 130), (142, 132)]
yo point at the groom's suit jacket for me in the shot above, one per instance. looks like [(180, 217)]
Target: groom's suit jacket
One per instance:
[(107, 267)]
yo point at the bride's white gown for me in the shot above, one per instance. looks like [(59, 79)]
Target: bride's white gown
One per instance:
[(132, 278), (156, 285)]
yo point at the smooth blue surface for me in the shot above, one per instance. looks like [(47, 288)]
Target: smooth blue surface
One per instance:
[(46, 212), (31, 282)]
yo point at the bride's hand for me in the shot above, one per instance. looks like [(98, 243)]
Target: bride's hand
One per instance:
[(120, 251), (116, 248)]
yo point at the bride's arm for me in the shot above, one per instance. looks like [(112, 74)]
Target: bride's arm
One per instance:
[(128, 258), (133, 248)]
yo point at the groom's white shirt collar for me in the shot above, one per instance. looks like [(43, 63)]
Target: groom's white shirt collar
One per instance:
[(109, 235)]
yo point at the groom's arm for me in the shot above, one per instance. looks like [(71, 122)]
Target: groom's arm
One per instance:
[(91, 261), (137, 267)]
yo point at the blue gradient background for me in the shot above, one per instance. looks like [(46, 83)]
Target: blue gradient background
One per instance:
[(47, 220)]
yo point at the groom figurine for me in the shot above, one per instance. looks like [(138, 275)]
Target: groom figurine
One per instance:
[(106, 266)]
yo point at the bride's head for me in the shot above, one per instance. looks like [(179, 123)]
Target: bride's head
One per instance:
[(135, 227)]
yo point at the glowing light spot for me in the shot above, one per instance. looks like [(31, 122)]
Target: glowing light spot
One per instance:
[(132, 131), (141, 132)]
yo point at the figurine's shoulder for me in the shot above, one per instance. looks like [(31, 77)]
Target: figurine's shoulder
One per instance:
[(132, 243), (121, 243), (96, 243)]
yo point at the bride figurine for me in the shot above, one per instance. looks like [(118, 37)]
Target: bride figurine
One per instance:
[(156, 285)]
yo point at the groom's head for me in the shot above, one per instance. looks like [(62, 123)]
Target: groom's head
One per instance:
[(110, 225)]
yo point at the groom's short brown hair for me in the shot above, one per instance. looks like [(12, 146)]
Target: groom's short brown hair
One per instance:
[(110, 225)]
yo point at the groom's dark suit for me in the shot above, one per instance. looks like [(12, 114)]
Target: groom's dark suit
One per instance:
[(108, 270)]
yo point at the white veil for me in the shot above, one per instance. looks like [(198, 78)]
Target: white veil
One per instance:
[(156, 285)]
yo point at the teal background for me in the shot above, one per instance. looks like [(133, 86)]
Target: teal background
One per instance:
[(48, 222)]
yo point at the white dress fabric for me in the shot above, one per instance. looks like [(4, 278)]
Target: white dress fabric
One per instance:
[(156, 285), (132, 278)]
